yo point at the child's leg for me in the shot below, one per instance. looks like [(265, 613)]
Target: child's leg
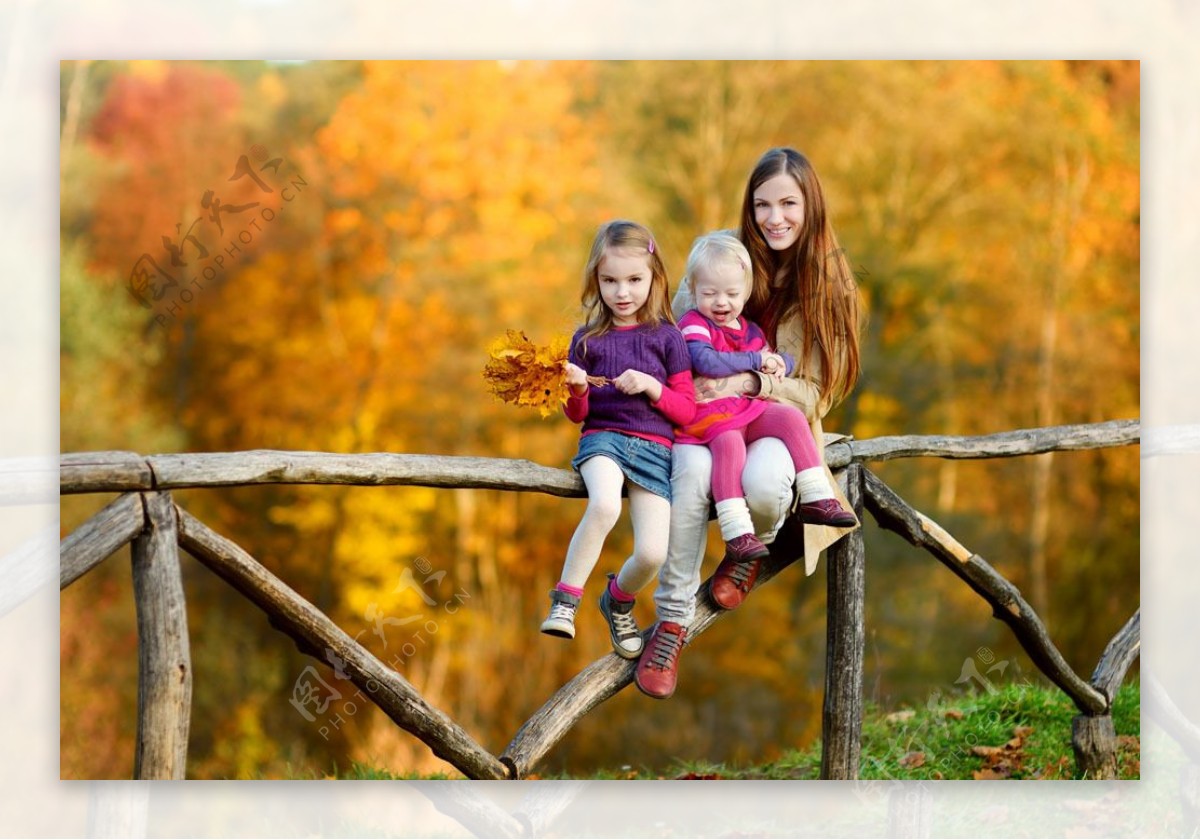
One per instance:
[(651, 515), (651, 518), (691, 485), (604, 481), (791, 426), (729, 459)]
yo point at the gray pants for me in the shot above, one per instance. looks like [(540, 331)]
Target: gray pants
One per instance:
[(768, 481)]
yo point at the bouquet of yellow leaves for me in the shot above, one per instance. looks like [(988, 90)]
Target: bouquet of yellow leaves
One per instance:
[(522, 373)]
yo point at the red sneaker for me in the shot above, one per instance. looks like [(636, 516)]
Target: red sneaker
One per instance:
[(658, 669), (826, 512), (735, 576)]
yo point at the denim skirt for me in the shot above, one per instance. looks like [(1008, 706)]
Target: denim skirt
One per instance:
[(644, 462)]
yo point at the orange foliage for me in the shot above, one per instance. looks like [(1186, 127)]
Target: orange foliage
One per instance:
[(522, 373)]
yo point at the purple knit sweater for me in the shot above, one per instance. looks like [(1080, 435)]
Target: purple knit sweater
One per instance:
[(658, 350)]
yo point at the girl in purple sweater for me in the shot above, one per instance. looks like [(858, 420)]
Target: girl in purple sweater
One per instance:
[(630, 382), (724, 344)]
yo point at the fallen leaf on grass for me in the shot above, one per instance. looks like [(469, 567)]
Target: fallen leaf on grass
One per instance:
[(1001, 762), (912, 760), (901, 716), (1060, 769), (985, 751), (956, 714), (987, 774)]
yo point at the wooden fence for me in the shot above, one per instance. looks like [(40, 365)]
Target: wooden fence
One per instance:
[(146, 515)]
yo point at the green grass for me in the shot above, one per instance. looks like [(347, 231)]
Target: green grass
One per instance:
[(1026, 727)]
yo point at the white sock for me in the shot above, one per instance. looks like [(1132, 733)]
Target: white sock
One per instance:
[(733, 515), (813, 484)]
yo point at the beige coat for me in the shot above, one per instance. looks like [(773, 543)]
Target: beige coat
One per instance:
[(799, 390)]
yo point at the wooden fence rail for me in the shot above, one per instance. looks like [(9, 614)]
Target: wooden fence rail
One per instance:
[(98, 472), (146, 516)]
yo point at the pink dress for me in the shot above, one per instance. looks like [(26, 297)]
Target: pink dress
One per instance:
[(714, 416)]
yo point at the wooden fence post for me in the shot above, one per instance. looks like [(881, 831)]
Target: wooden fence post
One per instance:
[(1094, 740), (841, 719), (1093, 736), (164, 658)]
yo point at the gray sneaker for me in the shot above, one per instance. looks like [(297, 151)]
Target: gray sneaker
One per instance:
[(622, 629), (561, 621)]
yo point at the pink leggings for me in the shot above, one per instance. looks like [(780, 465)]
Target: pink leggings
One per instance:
[(729, 448)]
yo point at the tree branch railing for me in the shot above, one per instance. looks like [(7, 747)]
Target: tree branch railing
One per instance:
[(146, 515), (98, 472)]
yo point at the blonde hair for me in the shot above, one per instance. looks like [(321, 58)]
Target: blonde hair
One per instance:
[(816, 284), (718, 248), (616, 235)]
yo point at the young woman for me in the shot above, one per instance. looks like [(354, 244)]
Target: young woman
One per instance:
[(805, 298)]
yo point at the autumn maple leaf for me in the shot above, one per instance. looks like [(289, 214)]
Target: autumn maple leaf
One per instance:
[(525, 374)]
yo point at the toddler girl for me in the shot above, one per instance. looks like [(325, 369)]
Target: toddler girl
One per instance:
[(721, 343)]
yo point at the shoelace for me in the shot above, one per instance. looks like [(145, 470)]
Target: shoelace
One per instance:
[(740, 573), (623, 624), (562, 612), (666, 649)]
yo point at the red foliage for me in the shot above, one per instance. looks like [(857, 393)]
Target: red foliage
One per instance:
[(169, 136)]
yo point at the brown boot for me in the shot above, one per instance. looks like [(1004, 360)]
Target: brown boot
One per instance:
[(826, 512), (733, 579), (658, 669)]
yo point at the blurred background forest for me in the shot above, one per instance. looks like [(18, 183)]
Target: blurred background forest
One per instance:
[(390, 219)]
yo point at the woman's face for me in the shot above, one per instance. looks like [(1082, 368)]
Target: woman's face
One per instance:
[(779, 211)]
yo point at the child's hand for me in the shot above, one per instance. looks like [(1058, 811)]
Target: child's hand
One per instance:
[(636, 382), (576, 379), (774, 365)]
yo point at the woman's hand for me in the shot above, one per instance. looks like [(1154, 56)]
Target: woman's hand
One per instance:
[(636, 382), (576, 379), (740, 385)]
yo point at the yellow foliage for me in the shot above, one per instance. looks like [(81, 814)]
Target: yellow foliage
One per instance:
[(272, 89), (150, 70), (382, 533), (521, 373)]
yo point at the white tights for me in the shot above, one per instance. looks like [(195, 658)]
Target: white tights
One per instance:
[(651, 517)]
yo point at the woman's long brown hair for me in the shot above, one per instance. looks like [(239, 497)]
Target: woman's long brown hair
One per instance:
[(815, 282)]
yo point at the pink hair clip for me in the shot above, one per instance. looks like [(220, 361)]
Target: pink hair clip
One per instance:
[(650, 247)]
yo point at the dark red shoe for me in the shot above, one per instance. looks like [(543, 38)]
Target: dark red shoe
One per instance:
[(826, 512), (733, 579), (658, 669)]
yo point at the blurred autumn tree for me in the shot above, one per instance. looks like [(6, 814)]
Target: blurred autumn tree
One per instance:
[(435, 205)]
